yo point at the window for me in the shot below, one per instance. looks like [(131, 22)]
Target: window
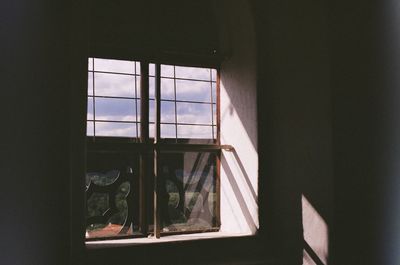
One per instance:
[(153, 149)]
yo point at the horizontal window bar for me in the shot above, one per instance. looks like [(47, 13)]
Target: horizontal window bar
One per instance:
[(113, 73), (138, 147), (186, 79), (117, 97)]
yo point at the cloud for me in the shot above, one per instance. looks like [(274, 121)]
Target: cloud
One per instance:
[(117, 85), (118, 66)]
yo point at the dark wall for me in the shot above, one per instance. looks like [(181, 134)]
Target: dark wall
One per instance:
[(34, 190), (328, 128), (295, 119), (365, 64)]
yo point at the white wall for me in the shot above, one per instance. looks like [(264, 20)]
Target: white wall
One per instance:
[(239, 168)]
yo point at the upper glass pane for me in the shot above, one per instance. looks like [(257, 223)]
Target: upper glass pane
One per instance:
[(167, 89), (115, 109), (193, 91), (192, 73), (167, 70), (114, 66), (114, 85)]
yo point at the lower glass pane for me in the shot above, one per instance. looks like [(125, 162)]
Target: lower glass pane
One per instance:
[(112, 195), (188, 191)]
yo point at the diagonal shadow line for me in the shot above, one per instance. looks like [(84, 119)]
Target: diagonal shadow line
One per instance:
[(238, 194), (312, 254), (244, 173)]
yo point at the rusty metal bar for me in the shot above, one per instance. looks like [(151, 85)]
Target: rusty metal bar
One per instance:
[(157, 182), (144, 139)]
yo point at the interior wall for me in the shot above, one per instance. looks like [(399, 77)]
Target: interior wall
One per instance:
[(238, 114), (295, 123), (34, 192), (366, 62)]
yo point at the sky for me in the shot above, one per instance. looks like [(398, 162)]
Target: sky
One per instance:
[(123, 108)]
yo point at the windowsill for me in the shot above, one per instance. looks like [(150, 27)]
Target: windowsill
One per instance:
[(164, 239)]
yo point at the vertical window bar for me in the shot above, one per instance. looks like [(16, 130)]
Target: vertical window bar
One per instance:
[(176, 110), (144, 138), (212, 106), (218, 121), (157, 180), (94, 102), (136, 105)]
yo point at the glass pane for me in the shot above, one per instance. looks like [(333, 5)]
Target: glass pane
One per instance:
[(90, 83), (167, 111), (115, 66), (138, 86), (152, 130), (193, 90), (152, 69), (167, 89), (194, 113), (138, 68), (152, 83), (194, 132), (214, 114), (115, 129), (89, 128), (114, 85), (90, 64), (213, 75), (115, 109), (90, 109), (167, 70), (192, 72), (152, 110), (112, 197), (214, 92), (189, 191), (168, 131)]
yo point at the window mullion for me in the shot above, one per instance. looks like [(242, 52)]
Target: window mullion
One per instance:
[(144, 138), (157, 180)]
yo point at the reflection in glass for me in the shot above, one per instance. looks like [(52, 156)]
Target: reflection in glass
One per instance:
[(193, 90), (114, 85), (115, 109), (111, 189), (188, 191), (116, 129)]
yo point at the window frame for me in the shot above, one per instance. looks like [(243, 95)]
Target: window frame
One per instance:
[(147, 148)]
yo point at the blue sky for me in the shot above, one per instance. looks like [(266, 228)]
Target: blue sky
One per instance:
[(125, 109)]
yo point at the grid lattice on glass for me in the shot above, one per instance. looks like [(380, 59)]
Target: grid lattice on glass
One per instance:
[(113, 98), (189, 93)]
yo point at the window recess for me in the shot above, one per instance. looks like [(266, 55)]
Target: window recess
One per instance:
[(153, 149)]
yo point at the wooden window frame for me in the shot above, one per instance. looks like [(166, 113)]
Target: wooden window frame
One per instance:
[(150, 150)]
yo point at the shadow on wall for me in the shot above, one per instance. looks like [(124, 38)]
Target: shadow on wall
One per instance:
[(238, 190)]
